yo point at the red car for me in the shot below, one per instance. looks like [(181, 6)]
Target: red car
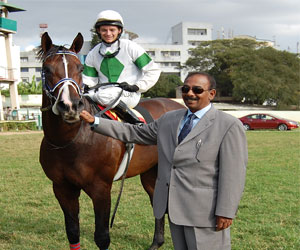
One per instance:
[(266, 121)]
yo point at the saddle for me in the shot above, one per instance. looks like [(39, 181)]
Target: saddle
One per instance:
[(141, 113)]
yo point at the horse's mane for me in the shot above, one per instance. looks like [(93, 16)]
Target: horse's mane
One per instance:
[(52, 51)]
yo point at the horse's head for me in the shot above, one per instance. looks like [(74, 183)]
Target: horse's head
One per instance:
[(62, 80)]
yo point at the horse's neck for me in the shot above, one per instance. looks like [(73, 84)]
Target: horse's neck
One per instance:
[(57, 131)]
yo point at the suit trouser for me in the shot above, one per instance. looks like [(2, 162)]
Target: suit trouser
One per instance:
[(199, 238)]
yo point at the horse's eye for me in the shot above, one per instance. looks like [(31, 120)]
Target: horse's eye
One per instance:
[(47, 69)]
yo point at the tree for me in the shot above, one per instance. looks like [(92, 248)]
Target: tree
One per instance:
[(165, 86), (249, 70), (273, 77), (26, 88), (95, 38)]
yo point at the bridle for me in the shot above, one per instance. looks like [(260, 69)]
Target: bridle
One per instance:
[(66, 81)]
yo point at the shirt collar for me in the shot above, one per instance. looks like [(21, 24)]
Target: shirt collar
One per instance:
[(200, 113)]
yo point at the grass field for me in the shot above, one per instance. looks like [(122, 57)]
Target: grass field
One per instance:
[(30, 217)]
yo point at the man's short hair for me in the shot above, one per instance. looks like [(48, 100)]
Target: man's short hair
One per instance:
[(210, 78)]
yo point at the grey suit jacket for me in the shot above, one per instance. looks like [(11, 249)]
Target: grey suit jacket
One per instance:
[(200, 178)]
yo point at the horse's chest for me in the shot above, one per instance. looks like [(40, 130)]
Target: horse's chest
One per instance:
[(62, 168)]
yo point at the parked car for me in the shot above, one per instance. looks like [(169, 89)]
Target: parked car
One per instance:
[(266, 121)]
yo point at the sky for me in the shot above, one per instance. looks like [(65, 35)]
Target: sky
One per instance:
[(275, 20)]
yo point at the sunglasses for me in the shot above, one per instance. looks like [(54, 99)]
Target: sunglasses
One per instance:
[(196, 89)]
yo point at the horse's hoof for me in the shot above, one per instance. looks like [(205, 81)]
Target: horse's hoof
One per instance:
[(155, 247)]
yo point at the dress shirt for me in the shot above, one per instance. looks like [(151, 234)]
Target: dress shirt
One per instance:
[(199, 114)]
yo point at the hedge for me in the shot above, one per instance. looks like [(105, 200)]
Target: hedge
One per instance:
[(18, 125)]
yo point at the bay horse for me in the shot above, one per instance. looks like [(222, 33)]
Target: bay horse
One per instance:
[(75, 158)]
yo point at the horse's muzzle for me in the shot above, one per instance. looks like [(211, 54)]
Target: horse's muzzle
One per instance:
[(70, 113)]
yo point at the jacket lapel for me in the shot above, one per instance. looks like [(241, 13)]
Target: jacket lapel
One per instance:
[(176, 123), (205, 122)]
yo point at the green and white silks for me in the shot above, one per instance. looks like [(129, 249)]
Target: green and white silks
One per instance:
[(132, 65)]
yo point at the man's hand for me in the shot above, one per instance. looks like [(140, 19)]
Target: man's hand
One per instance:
[(128, 87), (87, 117), (223, 223)]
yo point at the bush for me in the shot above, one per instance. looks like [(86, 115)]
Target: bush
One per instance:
[(18, 125)]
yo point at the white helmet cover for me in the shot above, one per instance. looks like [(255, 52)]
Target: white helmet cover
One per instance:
[(109, 17)]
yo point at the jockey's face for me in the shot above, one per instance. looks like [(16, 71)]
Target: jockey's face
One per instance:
[(109, 33)]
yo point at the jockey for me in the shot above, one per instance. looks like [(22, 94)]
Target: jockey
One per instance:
[(118, 60)]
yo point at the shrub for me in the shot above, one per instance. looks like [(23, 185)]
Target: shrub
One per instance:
[(18, 125)]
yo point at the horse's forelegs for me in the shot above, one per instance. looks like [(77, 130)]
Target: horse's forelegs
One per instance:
[(67, 197), (148, 181), (100, 195)]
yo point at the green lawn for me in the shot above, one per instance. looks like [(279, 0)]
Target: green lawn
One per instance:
[(30, 217)]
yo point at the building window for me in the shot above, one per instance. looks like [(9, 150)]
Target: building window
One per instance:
[(197, 32), (24, 59), (170, 64), (170, 53), (194, 43), (175, 53), (38, 69), (37, 59), (24, 69), (151, 53), (25, 79), (38, 79)]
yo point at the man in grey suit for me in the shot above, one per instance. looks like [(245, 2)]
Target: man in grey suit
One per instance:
[(202, 158)]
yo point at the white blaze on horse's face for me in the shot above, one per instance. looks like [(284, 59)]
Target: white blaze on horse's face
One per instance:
[(64, 92), (65, 97)]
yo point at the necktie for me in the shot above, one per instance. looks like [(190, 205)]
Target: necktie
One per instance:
[(187, 127)]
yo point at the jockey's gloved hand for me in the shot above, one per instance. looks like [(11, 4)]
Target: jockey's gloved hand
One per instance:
[(86, 89), (128, 87)]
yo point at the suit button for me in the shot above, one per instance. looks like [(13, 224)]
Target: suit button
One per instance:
[(174, 167), (167, 184)]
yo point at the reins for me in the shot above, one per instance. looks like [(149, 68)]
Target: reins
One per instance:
[(108, 107)]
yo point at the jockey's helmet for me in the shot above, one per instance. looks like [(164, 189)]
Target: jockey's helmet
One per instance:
[(109, 17)]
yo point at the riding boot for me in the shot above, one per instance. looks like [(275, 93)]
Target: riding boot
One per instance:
[(126, 114)]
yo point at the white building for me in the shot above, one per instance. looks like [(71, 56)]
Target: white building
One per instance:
[(31, 66)]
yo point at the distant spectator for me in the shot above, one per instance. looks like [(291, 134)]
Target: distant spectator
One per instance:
[(14, 114), (8, 113)]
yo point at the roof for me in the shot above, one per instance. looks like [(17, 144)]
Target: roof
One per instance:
[(10, 8)]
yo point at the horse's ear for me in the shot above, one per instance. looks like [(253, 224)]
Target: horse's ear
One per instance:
[(77, 43), (46, 42)]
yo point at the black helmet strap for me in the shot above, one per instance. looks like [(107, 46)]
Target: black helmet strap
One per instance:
[(110, 55)]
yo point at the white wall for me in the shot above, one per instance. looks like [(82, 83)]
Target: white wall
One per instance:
[(24, 100), (240, 110)]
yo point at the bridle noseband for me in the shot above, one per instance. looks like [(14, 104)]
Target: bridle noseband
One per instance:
[(70, 81)]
